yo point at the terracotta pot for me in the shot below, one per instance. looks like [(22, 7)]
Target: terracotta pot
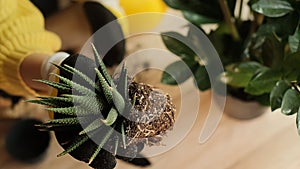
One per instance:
[(244, 110)]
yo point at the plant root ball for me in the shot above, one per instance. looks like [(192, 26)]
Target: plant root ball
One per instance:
[(152, 115)]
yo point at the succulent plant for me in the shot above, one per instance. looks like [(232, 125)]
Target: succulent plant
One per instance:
[(97, 118)]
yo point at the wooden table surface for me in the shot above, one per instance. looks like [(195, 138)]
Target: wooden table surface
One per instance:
[(267, 142)]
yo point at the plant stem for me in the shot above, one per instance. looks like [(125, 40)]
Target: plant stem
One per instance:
[(295, 87), (240, 9), (258, 20), (228, 19)]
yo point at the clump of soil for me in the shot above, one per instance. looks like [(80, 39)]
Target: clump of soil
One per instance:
[(153, 113)]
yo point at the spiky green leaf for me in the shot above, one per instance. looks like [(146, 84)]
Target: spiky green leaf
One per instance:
[(122, 86), (100, 146), (91, 104), (116, 145), (76, 86), (66, 121), (123, 135), (57, 101), (75, 144), (62, 68), (42, 102), (102, 66), (83, 76), (71, 111), (93, 126), (55, 85), (107, 90)]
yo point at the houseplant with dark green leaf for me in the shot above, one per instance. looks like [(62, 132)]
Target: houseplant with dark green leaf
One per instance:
[(261, 55)]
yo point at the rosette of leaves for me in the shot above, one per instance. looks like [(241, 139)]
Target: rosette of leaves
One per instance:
[(261, 56), (98, 119)]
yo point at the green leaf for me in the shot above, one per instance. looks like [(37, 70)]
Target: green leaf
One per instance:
[(291, 66), (107, 90), (176, 73), (267, 49), (292, 60), (57, 99), (294, 41), (123, 135), (66, 121), (202, 80), (277, 93), (298, 121), (198, 19), (75, 144), (263, 99), (76, 86), (101, 64), (64, 110), (93, 126), (176, 4), (174, 42), (43, 102), (207, 8), (116, 145), (275, 25), (118, 100), (240, 74), (122, 86), (72, 111), (291, 102), (237, 79), (62, 69), (272, 8), (53, 101), (83, 77), (92, 104), (56, 85), (111, 117), (263, 82), (105, 139)]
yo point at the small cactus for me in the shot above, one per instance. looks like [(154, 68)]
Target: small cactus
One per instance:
[(120, 114)]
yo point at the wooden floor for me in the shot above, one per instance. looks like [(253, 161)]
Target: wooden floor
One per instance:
[(267, 142)]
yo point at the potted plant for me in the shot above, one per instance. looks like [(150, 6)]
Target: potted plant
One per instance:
[(260, 55), (97, 118)]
